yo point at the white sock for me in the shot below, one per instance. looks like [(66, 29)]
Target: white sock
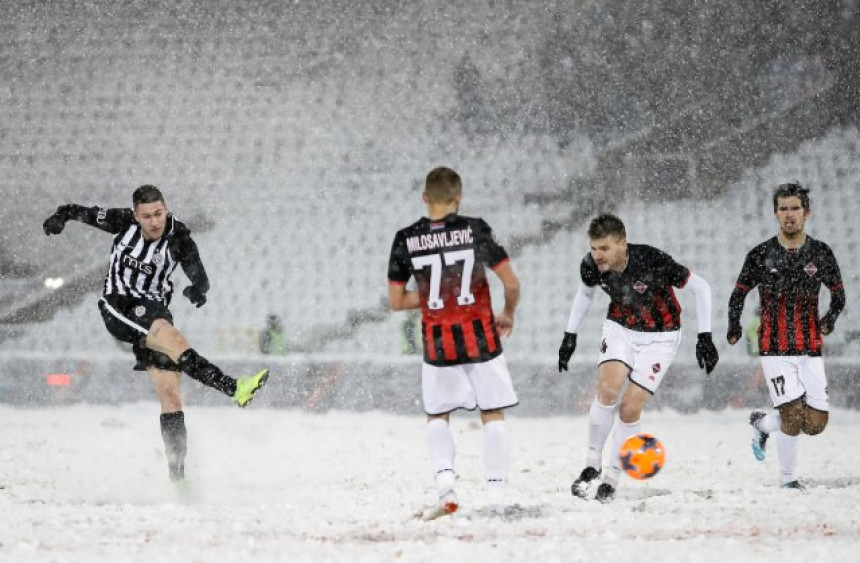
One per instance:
[(496, 459), (769, 423), (623, 431), (600, 419), (440, 445), (787, 450)]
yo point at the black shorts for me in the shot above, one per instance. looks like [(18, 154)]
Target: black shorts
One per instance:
[(128, 319)]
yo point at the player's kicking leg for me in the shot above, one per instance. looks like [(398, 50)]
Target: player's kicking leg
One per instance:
[(165, 338), (601, 416), (761, 421)]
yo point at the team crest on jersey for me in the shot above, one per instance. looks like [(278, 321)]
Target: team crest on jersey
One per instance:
[(140, 311), (656, 368), (158, 259), (810, 269), (639, 287)]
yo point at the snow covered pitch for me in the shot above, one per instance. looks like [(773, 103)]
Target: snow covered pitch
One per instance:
[(89, 483)]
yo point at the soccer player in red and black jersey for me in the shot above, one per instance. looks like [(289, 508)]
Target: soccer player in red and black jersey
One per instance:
[(789, 270), (464, 367), (641, 335)]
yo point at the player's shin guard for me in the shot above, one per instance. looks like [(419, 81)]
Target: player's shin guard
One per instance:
[(496, 460), (440, 445), (787, 450), (622, 432), (175, 437), (199, 368), (600, 418)]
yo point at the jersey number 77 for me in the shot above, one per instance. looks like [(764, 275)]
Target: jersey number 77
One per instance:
[(434, 261)]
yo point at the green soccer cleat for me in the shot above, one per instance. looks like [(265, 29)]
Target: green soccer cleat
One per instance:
[(246, 387)]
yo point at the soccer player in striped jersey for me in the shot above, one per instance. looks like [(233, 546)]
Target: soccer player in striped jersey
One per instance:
[(641, 335), (789, 270), (464, 367), (149, 243)]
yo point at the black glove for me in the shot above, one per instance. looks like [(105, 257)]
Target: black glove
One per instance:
[(197, 297), (54, 224), (735, 332), (568, 345), (827, 323), (706, 352)]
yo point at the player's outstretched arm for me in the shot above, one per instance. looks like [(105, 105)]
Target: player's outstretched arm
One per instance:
[(581, 305), (55, 224), (706, 352), (511, 283), (110, 220)]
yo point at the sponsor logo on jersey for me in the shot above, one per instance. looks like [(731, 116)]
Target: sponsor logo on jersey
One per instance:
[(603, 346), (136, 264), (639, 287), (139, 311), (656, 368), (810, 269)]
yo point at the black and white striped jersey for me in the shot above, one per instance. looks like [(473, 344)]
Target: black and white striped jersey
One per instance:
[(142, 268)]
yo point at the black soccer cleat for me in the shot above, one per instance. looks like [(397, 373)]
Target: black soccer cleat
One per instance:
[(759, 441), (605, 493), (582, 485), (794, 485)]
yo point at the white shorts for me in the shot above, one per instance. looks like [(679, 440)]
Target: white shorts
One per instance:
[(791, 377), (647, 354), (485, 385)]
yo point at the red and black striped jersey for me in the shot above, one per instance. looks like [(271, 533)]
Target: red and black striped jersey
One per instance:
[(447, 258), (789, 282), (641, 296)]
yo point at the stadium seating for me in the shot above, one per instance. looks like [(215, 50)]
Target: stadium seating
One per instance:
[(303, 153)]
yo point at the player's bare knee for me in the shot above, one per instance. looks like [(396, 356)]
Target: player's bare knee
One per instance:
[(157, 326), (792, 417), (791, 423), (815, 423), (629, 413), (492, 416)]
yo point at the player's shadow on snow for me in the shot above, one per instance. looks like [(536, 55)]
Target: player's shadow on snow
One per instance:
[(835, 483), (510, 513)]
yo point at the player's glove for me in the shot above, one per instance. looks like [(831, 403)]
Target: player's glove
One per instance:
[(706, 352), (197, 297), (828, 322), (568, 345), (735, 332), (54, 224)]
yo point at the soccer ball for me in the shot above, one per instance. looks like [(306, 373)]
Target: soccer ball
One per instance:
[(642, 456)]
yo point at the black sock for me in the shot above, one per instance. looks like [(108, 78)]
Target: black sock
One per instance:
[(175, 443), (199, 368)]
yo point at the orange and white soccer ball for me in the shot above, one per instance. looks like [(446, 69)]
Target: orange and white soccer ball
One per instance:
[(642, 456)]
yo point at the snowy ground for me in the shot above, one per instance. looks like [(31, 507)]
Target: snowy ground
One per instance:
[(88, 483)]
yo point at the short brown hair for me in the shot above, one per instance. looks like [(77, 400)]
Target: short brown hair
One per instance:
[(606, 225), (791, 189), (146, 194), (443, 185)]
